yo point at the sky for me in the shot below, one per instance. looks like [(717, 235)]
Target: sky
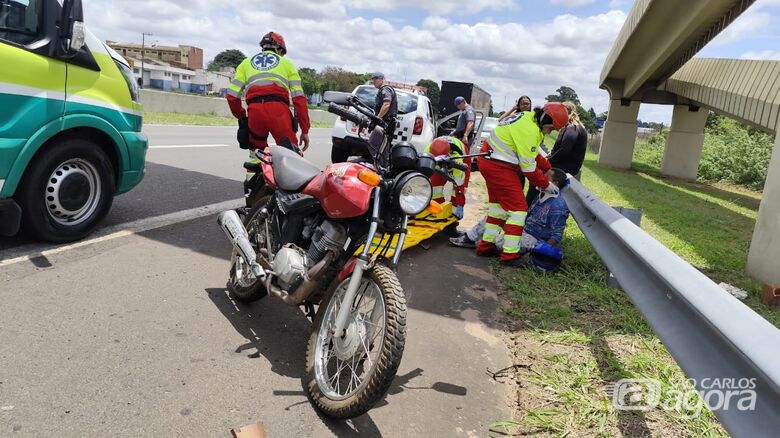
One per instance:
[(508, 47)]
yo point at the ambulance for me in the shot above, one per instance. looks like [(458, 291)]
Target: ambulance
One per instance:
[(70, 122)]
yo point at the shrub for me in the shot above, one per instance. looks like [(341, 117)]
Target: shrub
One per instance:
[(734, 153)]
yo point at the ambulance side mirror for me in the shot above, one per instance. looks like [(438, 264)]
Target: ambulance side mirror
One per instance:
[(72, 33)]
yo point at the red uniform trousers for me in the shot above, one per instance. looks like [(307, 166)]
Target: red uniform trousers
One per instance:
[(506, 209), (270, 117)]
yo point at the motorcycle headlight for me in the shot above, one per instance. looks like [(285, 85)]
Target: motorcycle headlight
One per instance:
[(413, 193)]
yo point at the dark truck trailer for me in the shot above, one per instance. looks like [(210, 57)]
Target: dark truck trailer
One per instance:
[(478, 98)]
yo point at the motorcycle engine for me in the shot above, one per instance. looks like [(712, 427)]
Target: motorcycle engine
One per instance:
[(289, 265), (330, 236)]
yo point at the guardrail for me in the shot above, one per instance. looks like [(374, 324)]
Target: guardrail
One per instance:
[(709, 333)]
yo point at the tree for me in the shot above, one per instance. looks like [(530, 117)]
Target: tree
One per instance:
[(310, 81), (588, 120), (338, 79), (565, 94), (434, 92), (226, 58)]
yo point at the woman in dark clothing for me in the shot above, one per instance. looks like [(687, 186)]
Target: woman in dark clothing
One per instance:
[(568, 153)]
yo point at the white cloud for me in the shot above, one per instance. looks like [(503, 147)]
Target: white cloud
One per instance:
[(750, 24), (437, 6), (773, 55), (507, 59), (571, 3)]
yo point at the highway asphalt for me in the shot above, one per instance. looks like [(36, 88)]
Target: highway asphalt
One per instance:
[(131, 332)]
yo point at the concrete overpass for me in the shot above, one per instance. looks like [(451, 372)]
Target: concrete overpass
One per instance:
[(652, 62)]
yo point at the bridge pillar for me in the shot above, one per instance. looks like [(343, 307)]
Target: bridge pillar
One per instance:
[(683, 146), (765, 248), (619, 135)]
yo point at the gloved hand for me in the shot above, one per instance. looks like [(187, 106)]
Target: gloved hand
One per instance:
[(551, 191), (242, 135), (459, 212)]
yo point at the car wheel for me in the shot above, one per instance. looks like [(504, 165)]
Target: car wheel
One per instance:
[(66, 191)]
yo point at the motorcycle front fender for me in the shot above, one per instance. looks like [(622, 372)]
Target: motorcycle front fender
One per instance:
[(348, 269)]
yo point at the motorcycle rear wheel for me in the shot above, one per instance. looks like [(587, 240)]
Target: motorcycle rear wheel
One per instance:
[(241, 283), (374, 344)]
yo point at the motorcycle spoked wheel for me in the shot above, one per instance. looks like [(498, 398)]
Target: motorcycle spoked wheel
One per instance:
[(346, 377), (242, 284)]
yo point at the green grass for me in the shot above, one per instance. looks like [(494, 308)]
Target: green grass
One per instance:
[(156, 118), (588, 334)]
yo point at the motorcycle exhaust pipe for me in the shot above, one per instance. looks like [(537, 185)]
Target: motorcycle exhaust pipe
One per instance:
[(309, 285), (236, 232)]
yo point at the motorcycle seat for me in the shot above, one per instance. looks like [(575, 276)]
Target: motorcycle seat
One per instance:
[(291, 171)]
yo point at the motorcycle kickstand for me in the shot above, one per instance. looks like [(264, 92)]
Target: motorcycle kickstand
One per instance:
[(309, 309)]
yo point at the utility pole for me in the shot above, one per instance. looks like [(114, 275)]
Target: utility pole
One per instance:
[(143, 54)]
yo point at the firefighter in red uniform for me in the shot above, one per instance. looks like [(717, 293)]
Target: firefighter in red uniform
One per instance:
[(270, 84), (514, 145)]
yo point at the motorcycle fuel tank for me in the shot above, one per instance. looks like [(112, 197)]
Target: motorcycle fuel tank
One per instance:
[(340, 192)]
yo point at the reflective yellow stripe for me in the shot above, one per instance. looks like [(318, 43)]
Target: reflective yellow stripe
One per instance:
[(495, 210), (234, 93), (438, 192), (528, 169), (501, 151), (270, 76), (491, 233), (516, 218), (511, 244)]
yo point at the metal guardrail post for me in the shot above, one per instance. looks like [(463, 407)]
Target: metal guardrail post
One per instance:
[(709, 333)]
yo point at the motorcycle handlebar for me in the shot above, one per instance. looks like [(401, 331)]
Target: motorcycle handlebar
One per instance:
[(349, 115), (450, 163)]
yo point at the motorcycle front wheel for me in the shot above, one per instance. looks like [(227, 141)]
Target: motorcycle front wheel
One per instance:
[(346, 376)]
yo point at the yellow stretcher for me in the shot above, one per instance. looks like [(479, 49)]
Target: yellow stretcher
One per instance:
[(421, 228)]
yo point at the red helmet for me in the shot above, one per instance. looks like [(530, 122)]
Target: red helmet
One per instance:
[(557, 112), (275, 41), (440, 146)]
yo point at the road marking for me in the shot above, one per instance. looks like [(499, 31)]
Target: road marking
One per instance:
[(188, 146), (28, 252)]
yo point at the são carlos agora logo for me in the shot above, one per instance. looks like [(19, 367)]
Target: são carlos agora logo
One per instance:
[(265, 61)]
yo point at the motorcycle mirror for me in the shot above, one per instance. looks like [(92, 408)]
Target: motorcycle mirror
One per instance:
[(337, 97)]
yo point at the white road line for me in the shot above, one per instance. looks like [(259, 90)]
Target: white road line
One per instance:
[(188, 146), (28, 252)]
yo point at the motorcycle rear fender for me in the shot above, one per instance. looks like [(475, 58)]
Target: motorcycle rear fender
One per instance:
[(348, 269), (268, 174)]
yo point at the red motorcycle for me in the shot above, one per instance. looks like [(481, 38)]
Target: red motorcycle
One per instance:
[(298, 244)]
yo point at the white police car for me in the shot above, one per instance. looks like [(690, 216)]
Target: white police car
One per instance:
[(414, 122)]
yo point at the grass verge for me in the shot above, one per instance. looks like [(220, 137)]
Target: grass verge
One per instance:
[(574, 335), (155, 118)]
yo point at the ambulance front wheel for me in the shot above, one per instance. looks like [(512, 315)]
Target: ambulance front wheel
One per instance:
[(66, 191)]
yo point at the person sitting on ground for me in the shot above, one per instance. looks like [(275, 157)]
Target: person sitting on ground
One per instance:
[(546, 220)]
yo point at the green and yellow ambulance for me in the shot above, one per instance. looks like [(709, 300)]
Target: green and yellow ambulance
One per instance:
[(70, 122)]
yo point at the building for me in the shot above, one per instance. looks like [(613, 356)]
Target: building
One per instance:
[(163, 76), (186, 57)]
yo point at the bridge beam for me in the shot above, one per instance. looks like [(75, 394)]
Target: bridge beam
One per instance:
[(765, 248), (619, 135), (685, 141)]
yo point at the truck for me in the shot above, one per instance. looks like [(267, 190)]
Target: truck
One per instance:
[(478, 98), (70, 122)]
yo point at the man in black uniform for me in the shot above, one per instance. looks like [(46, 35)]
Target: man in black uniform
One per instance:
[(385, 106)]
